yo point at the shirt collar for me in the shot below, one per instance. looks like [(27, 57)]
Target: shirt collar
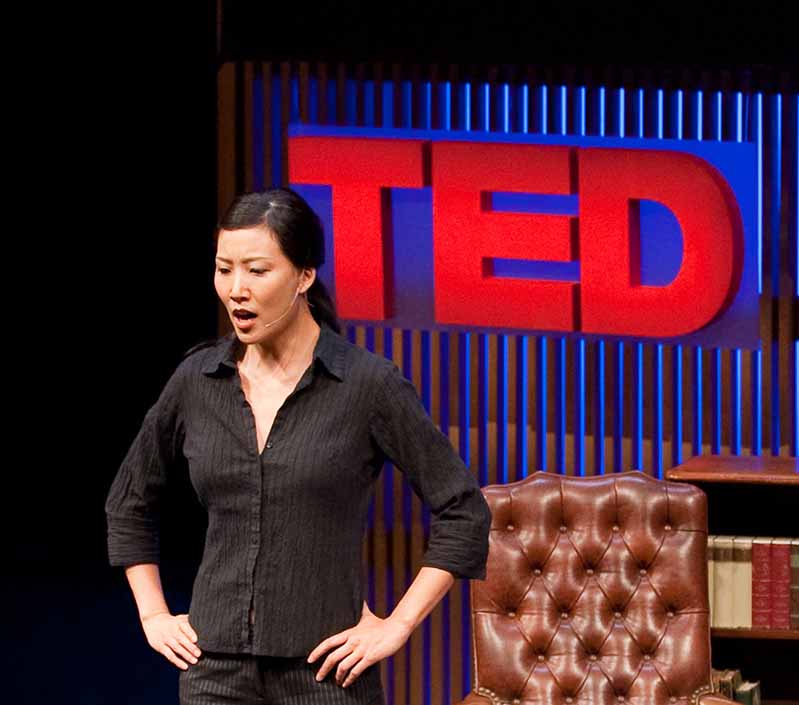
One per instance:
[(329, 349)]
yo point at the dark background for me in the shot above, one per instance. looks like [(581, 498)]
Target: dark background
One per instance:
[(131, 204)]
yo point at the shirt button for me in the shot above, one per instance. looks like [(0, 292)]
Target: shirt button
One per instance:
[(269, 444)]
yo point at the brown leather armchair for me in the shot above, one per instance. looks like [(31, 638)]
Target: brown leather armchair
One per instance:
[(595, 592)]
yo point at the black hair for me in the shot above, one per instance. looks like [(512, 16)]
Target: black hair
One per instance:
[(299, 232)]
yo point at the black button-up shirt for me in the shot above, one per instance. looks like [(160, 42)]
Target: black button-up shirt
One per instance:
[(281, 567)]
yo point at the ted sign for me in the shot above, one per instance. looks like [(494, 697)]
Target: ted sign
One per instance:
[(422, 210)]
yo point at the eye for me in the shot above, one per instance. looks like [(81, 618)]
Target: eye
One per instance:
[(258, 271), (221, 270)]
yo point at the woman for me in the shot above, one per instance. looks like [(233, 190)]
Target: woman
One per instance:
[(285, 426)]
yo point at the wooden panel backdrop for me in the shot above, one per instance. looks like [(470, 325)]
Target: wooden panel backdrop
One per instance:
[(512, 405)]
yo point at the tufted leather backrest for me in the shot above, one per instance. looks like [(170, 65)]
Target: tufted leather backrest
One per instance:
[(595, 592)]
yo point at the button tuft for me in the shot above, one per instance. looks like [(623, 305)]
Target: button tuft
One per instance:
[(537, 571), (617, 614), (590, 571), (564, 615), (592, 657), (643, 571), (511, 527), (511, 614), (667, 527), (563, 529), (615, 527), (540, 657)]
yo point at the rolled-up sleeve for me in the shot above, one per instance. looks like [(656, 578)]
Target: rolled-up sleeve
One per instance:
[(133, 503), (408, 437)]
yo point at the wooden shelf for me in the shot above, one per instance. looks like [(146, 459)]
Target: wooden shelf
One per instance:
[(738, 469), (745, 633)]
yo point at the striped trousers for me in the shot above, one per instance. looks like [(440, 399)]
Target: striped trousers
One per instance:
[(248, 679)]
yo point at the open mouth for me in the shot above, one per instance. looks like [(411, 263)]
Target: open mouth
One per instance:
[(244, 316)]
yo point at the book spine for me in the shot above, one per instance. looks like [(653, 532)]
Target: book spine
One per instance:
[(710, 565), (781, 584), (742, 581), (794, 583), (723, 579), (761, 583)]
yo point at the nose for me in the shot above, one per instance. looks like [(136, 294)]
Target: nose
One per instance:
[(236, 285)]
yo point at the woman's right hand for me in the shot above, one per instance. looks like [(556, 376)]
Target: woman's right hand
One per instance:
[(172, 636)]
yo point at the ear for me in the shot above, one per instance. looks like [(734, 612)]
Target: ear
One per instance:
[(309, 276)]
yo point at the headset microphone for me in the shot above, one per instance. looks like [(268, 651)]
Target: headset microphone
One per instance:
[(296, 293)]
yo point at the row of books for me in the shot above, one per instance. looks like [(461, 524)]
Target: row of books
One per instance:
[(753, 581), (729, 682)]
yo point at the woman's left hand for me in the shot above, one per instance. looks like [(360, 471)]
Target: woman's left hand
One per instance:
[(368, 642)]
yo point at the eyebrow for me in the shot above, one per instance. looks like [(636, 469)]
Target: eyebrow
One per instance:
[(248, 259)]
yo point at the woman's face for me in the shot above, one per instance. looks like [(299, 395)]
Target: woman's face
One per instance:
[(253, 274)]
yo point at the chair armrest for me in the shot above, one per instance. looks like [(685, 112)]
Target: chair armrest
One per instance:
[(714, 699), (474, 699)]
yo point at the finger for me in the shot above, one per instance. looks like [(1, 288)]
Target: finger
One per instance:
[(170, 656), (190, 647), (332, 659), (185, 627), (327, 644), (179, 649), (346, 664), (355, 671)]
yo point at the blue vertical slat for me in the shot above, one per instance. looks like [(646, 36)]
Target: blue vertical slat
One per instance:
[(638, 407), (482, 406), (677, 131), (502, 408), (350, 102), (387, 103), (294, 100), (561, 407), (521, 407), (697, 111), (756, 370), (523, 108), (465, 106), (522, 377), (579, 345), (484, 107), (599, 345), (637, 433), (618, 346), (504, 120), (657, 348), (369, 103), (579, 409), (332, 102), (313, 100), (715, 366), (775, 182), (795, 227), (736, 421)]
